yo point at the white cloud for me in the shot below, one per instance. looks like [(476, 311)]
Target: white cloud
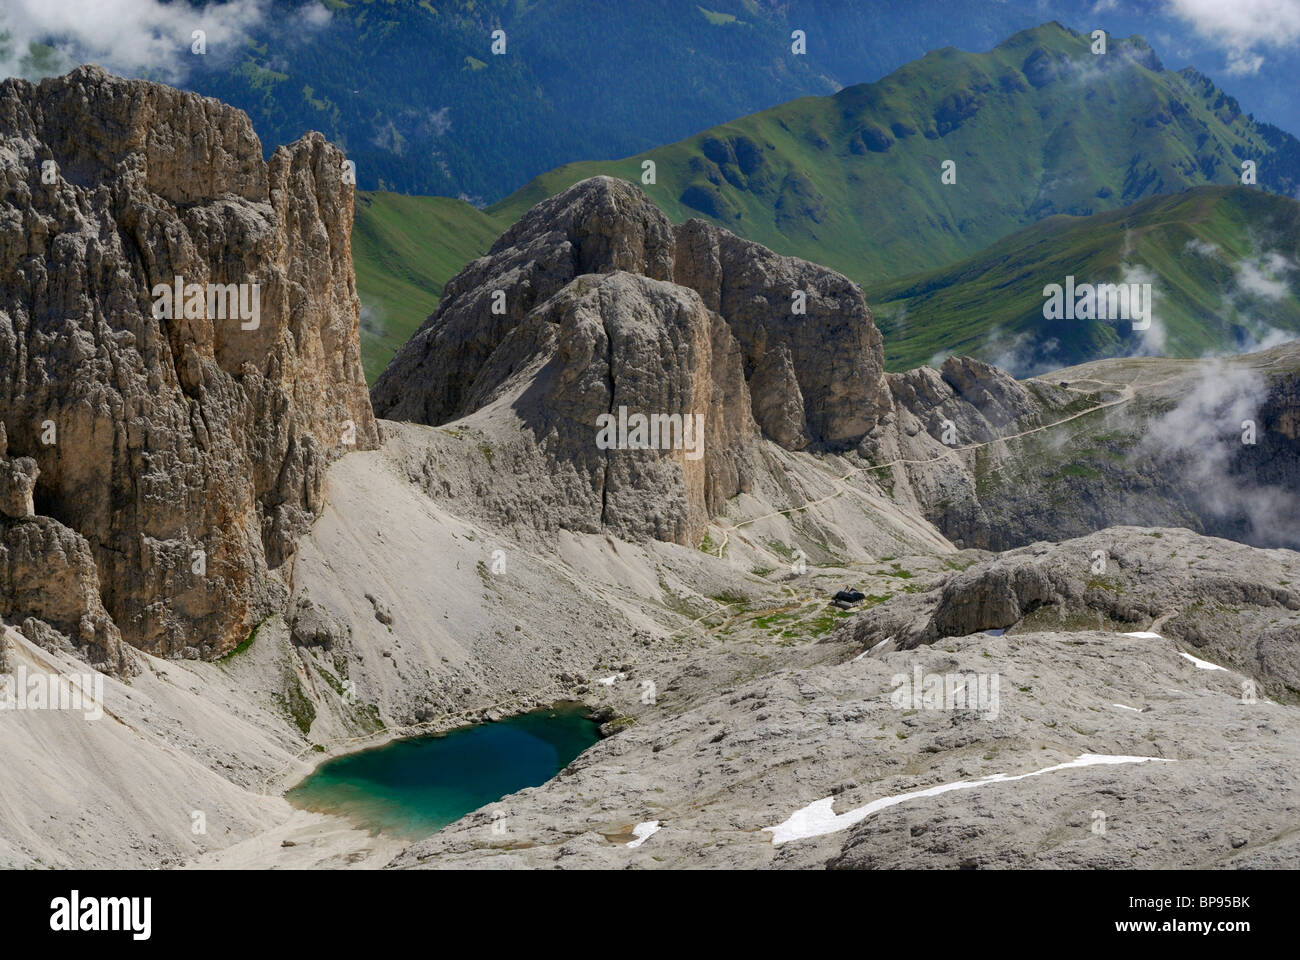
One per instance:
[(315, 15), (1242, 28), (1265, 276), (1201, 439), (1261, 276), (130, 37), (1203, 247), (1243, 64), (1151, 341), (1021, 354)]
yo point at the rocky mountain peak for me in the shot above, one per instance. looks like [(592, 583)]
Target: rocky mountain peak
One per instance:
[(595, 305), (607, 223), (179, 147), (805, 333)]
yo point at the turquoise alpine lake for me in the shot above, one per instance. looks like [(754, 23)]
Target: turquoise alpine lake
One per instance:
[(415, 787)]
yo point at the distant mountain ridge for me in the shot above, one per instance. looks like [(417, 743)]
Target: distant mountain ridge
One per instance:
[(1037, 126), (854, 180), (432, 110)]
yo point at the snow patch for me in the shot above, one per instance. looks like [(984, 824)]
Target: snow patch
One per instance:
[(819, 817), (643, 832), (870, 648), (1202, 664)]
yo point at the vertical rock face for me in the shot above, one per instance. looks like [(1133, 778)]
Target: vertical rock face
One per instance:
[(610, 348), (185, 447), (807, 335)]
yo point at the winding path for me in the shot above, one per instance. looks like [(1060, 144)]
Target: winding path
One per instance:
[(1127, 392)]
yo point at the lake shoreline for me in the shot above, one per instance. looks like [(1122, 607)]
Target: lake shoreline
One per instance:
[(410, 787)]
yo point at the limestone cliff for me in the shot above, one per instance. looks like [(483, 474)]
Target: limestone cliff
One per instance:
[(184, 441), (604, 350)]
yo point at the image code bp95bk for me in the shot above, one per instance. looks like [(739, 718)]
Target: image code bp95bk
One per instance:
[(792, 439)]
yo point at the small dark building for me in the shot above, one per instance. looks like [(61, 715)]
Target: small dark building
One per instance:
[(848, 597)]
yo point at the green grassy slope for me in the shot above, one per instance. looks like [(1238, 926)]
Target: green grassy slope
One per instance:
[(405, 249), (412, 91), (1223, 262), (1037, 126)]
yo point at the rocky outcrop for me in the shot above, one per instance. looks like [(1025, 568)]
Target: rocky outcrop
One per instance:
[(1238, 605), (48, 580), (1210, 446), (185, 447), (936, 413), (17, 481), (977, 398), (805, 333), (48, 585), (311, 625)]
